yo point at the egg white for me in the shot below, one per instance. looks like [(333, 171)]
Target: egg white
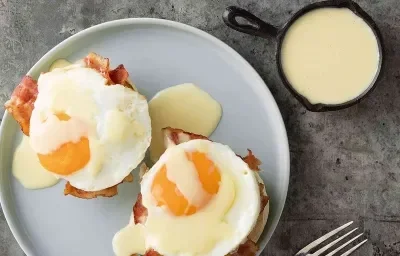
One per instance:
[(241, 216), (85, 95)]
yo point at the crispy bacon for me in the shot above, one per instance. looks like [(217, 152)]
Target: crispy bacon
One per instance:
[(21, 103), (252, 161), (177, 136), (151, 252), (248, 248), (107, 192), (118, 75), (99, 63), (139, 211)]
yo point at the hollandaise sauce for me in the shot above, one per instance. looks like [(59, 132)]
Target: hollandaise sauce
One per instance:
[(60, 63), (330, 55), (183, 106), (28, 170)]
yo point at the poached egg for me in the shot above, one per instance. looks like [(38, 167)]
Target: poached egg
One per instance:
[(201, 199), (85, 131)]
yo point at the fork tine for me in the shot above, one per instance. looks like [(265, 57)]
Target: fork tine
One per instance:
[(326, 247), (323, 238), (344, 245), (354, 248)]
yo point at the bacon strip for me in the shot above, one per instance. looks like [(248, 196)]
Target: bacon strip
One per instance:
[(107, 192), (139, 211), (248, 248), (252, 161), (151, 252), (99, 63), (21, 103), (118, 75), (177, 136)]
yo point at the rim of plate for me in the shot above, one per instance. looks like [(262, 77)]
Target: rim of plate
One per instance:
[(152, 21)]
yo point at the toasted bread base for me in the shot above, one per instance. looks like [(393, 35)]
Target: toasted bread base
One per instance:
[(107, 192), (262, 218)]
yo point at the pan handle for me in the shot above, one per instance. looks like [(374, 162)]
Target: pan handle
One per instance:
[(254, 26)]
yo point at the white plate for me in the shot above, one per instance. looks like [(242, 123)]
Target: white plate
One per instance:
[(157, 54)]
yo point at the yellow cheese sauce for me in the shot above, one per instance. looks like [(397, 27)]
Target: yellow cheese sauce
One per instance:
[(330, 55), (27, 169), (183, 106), (60, 63), (130, 240)]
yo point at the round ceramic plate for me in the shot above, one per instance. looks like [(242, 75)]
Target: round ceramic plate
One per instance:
[(157, 54)]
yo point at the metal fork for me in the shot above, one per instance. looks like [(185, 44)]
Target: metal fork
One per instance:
[(306, 250)]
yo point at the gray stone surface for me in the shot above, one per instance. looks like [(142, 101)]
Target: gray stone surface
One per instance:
[(345, 164)]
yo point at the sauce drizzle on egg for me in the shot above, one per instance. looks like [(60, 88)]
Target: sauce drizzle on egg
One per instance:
[(186, 183)]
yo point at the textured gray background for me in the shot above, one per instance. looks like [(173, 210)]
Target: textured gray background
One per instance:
[(344, 164)]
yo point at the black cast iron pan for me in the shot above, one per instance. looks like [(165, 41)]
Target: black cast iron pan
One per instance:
[(257, 27)]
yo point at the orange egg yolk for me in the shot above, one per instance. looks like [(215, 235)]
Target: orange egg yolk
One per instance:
[(166, 193), (69, 157)]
